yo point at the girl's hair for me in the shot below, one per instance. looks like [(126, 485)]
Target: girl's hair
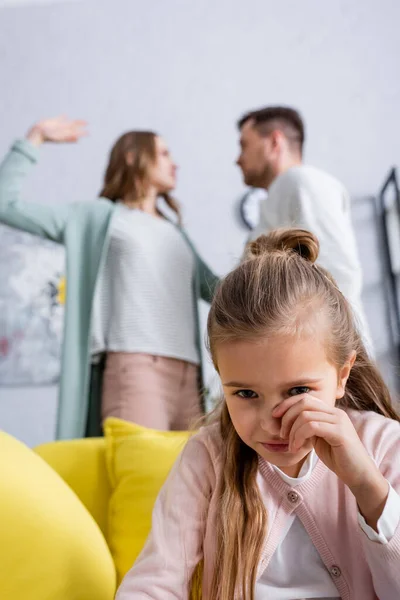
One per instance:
[(128, 168), (278, 289)]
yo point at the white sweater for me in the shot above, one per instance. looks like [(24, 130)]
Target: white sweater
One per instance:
[(144, 294), (309, 198)]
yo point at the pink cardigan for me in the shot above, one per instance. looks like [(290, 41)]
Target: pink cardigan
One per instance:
[(184, 516)]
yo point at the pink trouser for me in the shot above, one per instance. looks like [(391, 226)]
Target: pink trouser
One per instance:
[(153, 391)]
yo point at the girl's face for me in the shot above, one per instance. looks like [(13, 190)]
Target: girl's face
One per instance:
[(259, 375)]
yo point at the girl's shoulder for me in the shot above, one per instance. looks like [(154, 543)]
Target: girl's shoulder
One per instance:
[(203, 451), (380, 435), (208, 439), (198, 466)]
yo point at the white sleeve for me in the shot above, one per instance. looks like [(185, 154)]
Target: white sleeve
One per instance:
[(338, 250), (384, 559), (388, 522)]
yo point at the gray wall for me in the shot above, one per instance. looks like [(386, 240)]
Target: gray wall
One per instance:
[(188, 70)]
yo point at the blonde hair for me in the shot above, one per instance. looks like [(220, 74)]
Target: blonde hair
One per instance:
[(276, 290), (125, 177)]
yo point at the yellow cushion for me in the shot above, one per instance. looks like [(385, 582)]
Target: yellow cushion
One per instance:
[(82, 465), (138, 460), (51, 548)]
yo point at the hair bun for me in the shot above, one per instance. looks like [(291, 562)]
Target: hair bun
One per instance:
[(301, 241)]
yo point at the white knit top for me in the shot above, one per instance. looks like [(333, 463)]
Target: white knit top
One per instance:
[(144, 295)]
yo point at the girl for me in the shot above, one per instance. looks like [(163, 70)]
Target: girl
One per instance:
[(147, 276), (293, 493)]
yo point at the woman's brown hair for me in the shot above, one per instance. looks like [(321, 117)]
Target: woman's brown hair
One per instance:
[(278, 289), (127, 171)]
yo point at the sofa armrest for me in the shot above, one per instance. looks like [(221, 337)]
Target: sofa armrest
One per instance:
[(51, 548)]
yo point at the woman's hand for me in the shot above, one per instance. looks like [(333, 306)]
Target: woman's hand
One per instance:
[(58, 130), (306, 419)]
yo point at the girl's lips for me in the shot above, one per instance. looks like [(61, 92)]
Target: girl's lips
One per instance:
[(276, 447)]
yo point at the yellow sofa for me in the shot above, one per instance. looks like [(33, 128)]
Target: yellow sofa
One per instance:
[(56, 542)]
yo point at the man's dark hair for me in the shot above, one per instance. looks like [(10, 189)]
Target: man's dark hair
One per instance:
[(286, 119)]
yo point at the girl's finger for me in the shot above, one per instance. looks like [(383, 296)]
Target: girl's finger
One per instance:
[(280, 410), (328, 431), (295, 409), (307, 417)]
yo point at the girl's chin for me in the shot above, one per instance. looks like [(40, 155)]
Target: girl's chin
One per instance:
[(286, 458)]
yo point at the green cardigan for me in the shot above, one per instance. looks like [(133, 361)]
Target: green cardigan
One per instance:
[(84, 229)]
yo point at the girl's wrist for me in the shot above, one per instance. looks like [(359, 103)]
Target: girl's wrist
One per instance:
[(371, 496)]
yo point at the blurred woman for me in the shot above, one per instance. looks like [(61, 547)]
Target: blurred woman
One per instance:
[(131, 344)]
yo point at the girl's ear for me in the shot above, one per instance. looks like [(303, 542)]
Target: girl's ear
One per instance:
[(344, 374)]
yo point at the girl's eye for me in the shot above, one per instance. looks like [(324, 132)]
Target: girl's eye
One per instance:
[(300, 389), (245, 394)]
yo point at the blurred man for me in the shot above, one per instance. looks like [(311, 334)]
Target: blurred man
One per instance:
[(271, 158)]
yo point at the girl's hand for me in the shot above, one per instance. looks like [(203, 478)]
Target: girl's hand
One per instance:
[(307, 419), (58, 130)]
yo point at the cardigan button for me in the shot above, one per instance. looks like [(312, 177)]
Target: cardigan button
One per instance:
[(335, 571), (293, 497)]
